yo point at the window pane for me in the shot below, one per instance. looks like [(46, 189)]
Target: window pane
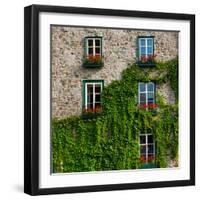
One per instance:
[(142, 98), (97, 98), (150, 42), (97, 42), (149, 50), (150, 138), (90, 51), (143, 149), (150, 149), (142, 50), (89, 88), (98, 88), (150, 87), (90, 42), (142, 87), (97, 50), (150, 98), (142, 139), (90, 98), (142, 42)]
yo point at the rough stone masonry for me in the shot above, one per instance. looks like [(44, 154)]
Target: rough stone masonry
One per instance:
[(119, 47)]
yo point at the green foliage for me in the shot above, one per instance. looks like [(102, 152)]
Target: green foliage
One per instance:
[(111, 140)]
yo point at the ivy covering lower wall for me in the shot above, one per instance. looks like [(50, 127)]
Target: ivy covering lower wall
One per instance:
[(111, 141)]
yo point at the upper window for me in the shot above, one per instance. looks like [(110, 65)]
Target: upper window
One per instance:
[(92, 95), (146, 50), (147, 148), (146, 96), (93, 46), (93, 52)]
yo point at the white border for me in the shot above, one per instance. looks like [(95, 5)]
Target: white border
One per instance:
[(46, 180)]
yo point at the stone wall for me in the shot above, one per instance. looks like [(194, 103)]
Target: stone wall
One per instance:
[(119, 48)]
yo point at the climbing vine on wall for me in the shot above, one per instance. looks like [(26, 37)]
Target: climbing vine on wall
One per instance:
[(111, 141)]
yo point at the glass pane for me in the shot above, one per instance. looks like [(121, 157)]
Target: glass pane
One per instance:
[(150, 96), (97, 51), (150, 42), (142, 42), (150, 138), (142, 98), (143, 149), (89, 88), (142, 139), (90, 43), (150, 86), (150, 149), (149, 50), (97, 88), (97, 42), (142, 87), (90, 98), (97, 98), (142, 50), (90, 51)]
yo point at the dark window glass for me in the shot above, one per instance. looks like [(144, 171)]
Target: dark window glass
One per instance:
[(97, 43), (142, 139), (90, 43)]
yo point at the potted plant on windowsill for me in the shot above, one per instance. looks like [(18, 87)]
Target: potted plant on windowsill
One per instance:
[(93, 61), (147, 61), (91, 113)]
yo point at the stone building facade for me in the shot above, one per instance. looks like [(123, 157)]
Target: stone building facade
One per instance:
[(118, 48)]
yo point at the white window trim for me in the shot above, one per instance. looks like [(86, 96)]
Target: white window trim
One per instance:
[(146, 46), (86, 92), (146, 92), (94, 46), (146, 144)]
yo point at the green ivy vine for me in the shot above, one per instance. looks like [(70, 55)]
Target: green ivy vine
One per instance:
[(111, 141)]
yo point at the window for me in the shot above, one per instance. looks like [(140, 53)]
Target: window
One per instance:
[(146, 47), (93, 52), (146, 94), (93, 46), (147, 148), (92, 95)]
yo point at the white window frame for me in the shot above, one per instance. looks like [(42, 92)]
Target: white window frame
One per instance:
[(146, 144), (146, 46), (94, 46), (146, 92), (94, 94)]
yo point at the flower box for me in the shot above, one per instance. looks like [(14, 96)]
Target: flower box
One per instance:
[(92, 61), (147, 61)]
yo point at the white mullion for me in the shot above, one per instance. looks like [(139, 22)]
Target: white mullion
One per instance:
[(146, 47), (146, 90)]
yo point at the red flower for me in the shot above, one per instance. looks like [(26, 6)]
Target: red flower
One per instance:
[(147, 58), (151, 106)]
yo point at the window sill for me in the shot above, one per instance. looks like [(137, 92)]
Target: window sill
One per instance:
[(146, 64), (92, 64)]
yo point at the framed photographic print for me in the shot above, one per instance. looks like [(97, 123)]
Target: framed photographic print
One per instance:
[(109, 100)]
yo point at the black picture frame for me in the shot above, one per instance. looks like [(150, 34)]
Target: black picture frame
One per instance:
[(31, 98)]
